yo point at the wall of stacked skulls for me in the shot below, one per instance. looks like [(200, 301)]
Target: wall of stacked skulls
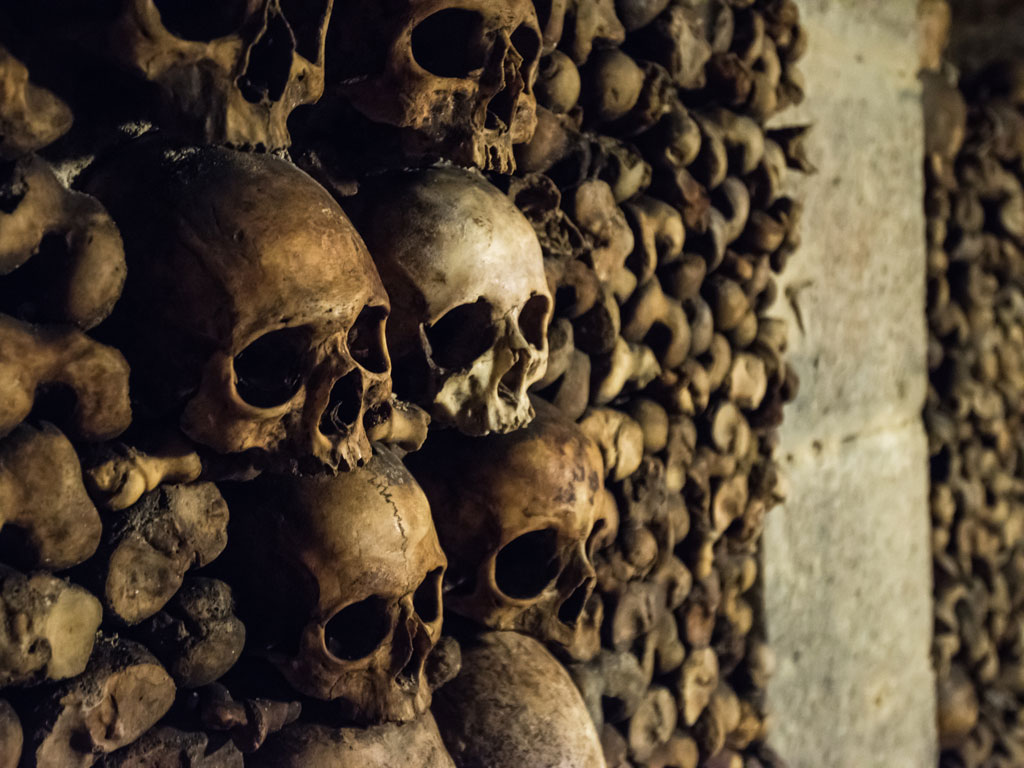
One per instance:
[(391, 383), (975, 205)]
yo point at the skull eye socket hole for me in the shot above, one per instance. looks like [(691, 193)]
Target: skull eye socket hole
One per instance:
[(268, 372), (570, 611), (462, 335), (366, 341), (307, 20), (447, 43), (427, 598), (201, 20), (344, 404), (357, 630), (527, 44), (270, 62), (528, 564), (533, 320)]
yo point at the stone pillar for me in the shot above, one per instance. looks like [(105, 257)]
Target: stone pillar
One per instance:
[(848, 592)]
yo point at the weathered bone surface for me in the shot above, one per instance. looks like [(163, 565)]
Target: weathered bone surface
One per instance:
[(514, 514), (118, 475), (416, 744), (197, 635), (251, 307), (248, 722), (165, 747), (30, 116), (47, 627), (464, 271), (226, 76), (74, 722), (512, 705), (36, 358), (624, 276), (11, 737), (456, 77), (147, 550), (42, 496), (348, 599), (79, 267)]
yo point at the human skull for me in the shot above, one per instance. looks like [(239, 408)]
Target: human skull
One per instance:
[(251, 308), (416, 744), (344, 580), (229, 71), (514, 706), (515, 514), (456, 74), (471, 304)]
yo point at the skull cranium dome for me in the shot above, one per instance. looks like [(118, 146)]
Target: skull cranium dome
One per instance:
[(252, 307), (471, 305)]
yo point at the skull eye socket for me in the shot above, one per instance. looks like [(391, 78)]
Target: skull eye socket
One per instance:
[(307, 20), (447, 43), (268, 372), (528, 564), (201, 20), (527, 43), (366, 341), (462, 335), (357, 630), (533, 320), (427, 598), (270, 63)]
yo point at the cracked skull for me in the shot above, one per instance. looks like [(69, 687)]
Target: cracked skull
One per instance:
[(517, 515), (231, 71), (251, 308), (348, 597), (456, 74), (465, 273)]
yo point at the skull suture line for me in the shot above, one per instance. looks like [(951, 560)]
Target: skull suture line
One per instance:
[(471, 304), (351, 569), (515, 514), (229, 71), (457, 75), (251, 307)]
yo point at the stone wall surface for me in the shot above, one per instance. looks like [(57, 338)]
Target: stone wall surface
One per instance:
[(847, 559)]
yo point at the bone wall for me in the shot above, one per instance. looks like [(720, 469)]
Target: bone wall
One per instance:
[(974, 193), (393, 388)]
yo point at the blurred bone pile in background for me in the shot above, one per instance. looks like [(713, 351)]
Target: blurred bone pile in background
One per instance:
[(975, 209), (394, 383)]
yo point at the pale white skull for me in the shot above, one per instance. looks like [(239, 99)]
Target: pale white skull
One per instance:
[(229, 71), (471, 305), (515, 514), (252, 312), (456, 75), (340, 582)]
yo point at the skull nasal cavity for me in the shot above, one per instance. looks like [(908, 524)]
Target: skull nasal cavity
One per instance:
[(533, 320), (448, 43), (357, 630), (569, 612), (344, 404), (527, 564), (270, 63), (462, 335), (427, 599), (201, 20), (366, 340), (268, 372)]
